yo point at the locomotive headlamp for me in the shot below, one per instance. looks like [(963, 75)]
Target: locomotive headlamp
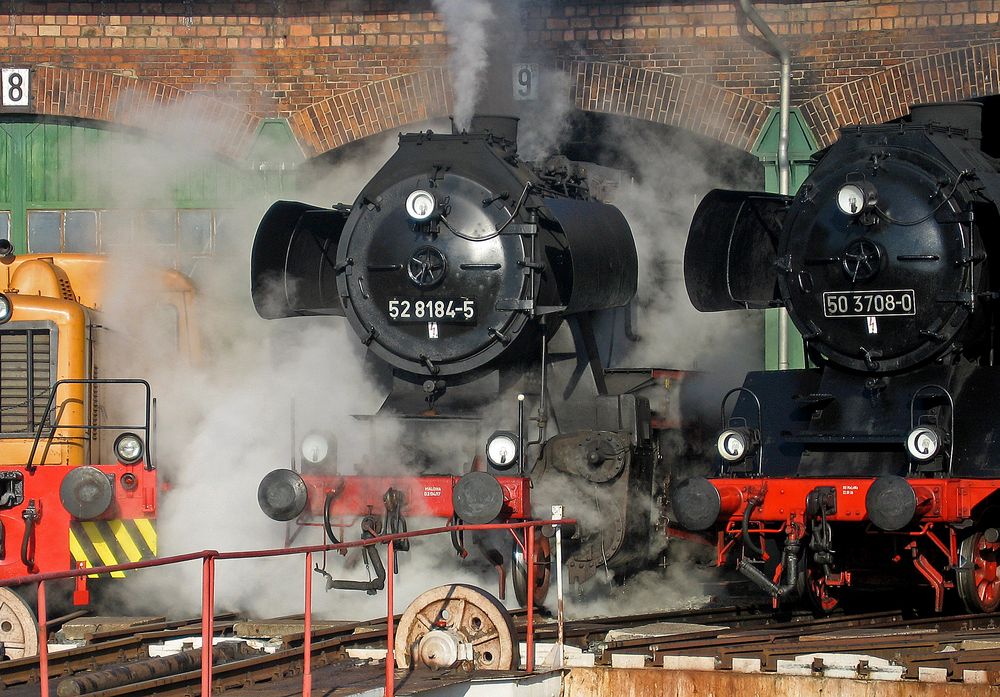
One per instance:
[(6, 309), (421, 205), (315, 448), (501, 450), (856, 198), (924, 442), (128, 448), (735, 443)]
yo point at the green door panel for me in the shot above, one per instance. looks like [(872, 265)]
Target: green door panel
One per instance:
[(76, 165)]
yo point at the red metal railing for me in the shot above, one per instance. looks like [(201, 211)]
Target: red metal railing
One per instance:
[(209, 557)]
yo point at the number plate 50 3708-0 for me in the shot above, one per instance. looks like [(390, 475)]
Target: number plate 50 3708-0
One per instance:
[(870, 303)]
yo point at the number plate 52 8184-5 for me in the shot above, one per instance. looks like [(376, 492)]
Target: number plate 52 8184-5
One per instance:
[(869, 303)]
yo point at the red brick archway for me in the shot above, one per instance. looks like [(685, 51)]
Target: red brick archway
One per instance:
[(106, 96), (610, 88), (371, 109), (652, 95), (952, 75)]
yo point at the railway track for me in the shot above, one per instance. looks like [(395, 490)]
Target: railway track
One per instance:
[(751, 633), (955, 643)]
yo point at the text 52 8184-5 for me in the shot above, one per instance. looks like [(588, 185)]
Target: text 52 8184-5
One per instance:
[(457, 310)]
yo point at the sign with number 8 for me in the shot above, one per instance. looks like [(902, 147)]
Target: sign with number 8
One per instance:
[(15, 87)]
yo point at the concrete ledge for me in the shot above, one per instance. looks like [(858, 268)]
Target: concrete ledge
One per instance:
[(925, 674), (628, 660), (689, 662), (746, 665), (975, 677)]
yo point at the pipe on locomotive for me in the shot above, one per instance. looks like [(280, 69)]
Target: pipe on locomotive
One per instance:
[(784, 166)]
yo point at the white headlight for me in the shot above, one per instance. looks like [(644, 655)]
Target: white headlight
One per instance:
[(6, 310), (733, 445), (501, 450), (315, 447), (850, 199), (128, 448), (923, 443), (421, 205)]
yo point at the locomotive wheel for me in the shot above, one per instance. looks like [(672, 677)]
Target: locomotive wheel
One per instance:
[(543, 570), (977, 579), (18, 629), (455, 624)]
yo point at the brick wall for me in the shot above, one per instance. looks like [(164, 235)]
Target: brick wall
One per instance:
[(344, 69)]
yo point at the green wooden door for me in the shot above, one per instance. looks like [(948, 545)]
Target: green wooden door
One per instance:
[(79, 186)]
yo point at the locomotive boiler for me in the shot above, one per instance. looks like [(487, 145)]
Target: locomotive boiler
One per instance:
[(880, 465), (472, 273)]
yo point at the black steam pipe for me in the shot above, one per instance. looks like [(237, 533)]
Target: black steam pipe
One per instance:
[(371, 554), (747, 540), (790, 570)]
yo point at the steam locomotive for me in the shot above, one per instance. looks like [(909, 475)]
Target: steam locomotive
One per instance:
[(880, 465), (474, 274)]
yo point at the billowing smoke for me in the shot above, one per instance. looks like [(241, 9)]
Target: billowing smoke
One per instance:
[(226, 415), (467, 24)]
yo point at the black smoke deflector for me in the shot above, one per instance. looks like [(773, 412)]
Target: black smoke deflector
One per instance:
[(731, 250), (293, 263)]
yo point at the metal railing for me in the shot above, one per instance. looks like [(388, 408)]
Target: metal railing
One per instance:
[(209, 558)]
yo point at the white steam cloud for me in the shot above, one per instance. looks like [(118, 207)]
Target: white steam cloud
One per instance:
[(225, 418), (467, 24)]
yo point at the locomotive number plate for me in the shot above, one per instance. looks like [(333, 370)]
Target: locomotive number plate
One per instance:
[(452, 310), (870, 303)]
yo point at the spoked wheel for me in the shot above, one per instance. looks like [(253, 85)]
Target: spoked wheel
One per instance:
[(976, 579), (18, 629), (456, 624), (824, 597), (543, 570)]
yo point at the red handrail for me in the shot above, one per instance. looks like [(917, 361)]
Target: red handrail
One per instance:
[(209, 557)]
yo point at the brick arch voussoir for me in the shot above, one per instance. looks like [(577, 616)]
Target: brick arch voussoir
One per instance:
[(149, 106), (953, 75), (371, 109), (674, 100)]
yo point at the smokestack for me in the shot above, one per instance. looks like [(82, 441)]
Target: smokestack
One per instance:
[(497, 126)]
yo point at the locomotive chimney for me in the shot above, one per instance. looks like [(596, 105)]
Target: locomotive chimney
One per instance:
[(498, 126), (967, 115)]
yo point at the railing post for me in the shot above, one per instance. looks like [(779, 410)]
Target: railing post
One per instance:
[(207, 621), (529, 640), (390, 638), (307, 681), (43, 641), (557, 514)]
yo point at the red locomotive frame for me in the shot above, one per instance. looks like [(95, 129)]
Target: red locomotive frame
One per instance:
[(944, 508)]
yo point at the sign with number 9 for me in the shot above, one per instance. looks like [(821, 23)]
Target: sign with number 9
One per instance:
[(525, 81)]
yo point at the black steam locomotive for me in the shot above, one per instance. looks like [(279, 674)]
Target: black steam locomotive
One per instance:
[(475, 274), (880, 465)]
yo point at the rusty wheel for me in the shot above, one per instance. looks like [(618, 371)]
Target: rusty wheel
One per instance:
[(543, 571), (18, 629), (456, 624), (977, 580)]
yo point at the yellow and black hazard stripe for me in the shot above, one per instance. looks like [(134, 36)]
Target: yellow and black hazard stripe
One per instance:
[(111, 542)]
